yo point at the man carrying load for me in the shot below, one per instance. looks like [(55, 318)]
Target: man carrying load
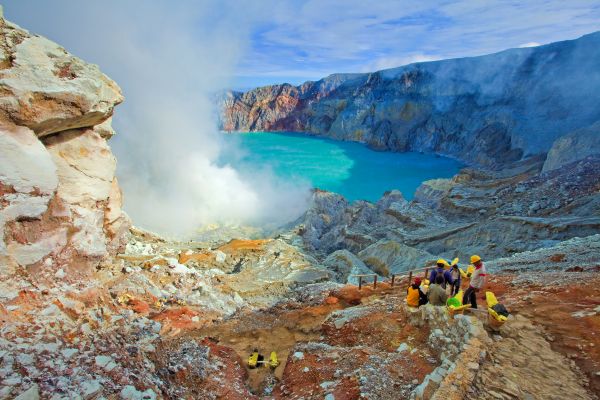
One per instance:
[(478, 280)]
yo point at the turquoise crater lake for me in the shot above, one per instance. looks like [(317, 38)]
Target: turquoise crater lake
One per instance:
[(351, 169)]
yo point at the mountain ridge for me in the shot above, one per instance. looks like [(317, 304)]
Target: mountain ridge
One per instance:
[(486, 110)]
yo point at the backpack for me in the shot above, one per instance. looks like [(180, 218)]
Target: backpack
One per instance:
[(438, 272)]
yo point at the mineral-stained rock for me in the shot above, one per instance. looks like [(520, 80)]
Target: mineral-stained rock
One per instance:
[(33, 393), (432, 191), (60, 204), (49, 90)]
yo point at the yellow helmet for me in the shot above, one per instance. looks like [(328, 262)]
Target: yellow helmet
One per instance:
[(442, 261), (475, 258)]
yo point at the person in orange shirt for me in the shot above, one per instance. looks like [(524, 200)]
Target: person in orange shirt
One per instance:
[(415, 296)]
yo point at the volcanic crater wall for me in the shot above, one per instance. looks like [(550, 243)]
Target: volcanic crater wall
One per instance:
[(60, 203), (486, 110)]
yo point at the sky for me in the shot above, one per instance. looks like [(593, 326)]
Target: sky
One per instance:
[(307, 40), (171, 57), (294, 41)]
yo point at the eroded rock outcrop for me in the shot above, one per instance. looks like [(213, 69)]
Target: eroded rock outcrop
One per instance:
[(575, 146), (486, 110), (494, 213), (60, 205)]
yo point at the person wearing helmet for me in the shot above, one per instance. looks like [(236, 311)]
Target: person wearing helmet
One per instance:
[(439, 270), (415, 296), (437, 295), (478, 280), (453, 278)]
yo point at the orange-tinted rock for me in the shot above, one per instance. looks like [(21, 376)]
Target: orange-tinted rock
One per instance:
[(178, 318), (558, 257), (236, 245), (139, 306), (198, 257)]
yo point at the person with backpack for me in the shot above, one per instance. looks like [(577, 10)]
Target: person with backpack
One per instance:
[(415, 296), (478, 280), (439, 270), (437, 295)]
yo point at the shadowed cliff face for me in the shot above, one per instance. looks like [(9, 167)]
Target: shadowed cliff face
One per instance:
[(485, 110)]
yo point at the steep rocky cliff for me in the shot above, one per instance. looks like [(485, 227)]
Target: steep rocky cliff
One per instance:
[(60, 203), (484, 110)]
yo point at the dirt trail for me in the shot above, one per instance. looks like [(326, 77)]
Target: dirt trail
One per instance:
[(523, 366), (567, 310)]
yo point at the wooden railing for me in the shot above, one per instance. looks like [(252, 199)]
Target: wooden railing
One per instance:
[(408, 274)]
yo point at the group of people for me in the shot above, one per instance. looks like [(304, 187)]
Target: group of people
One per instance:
[(445, 281)]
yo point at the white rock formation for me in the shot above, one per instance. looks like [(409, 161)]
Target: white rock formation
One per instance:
[(60, 203)]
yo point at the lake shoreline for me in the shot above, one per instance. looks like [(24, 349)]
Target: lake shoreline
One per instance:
[(350, 168)]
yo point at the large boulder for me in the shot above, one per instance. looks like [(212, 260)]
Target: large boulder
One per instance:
[(344, 265), (386, 257), (49, 90), (60, 203), (575, 146), (324, 222)]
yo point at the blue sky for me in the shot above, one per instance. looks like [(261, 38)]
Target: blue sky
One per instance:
[(311, 39), (295, 41)]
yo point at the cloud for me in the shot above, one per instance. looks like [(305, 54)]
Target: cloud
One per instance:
[(170, 58), (351, 36), (392, 62), (530, 44)]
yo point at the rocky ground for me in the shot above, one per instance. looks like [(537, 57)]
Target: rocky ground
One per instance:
[(92, 308), (129, 335), (492, 213)]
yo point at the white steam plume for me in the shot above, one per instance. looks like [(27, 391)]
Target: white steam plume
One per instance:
[(171, 58)]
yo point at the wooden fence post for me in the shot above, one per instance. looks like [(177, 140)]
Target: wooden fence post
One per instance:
[(375, 282), (359, 282)]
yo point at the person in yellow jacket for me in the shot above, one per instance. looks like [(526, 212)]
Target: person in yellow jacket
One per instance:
[(415, 296)]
